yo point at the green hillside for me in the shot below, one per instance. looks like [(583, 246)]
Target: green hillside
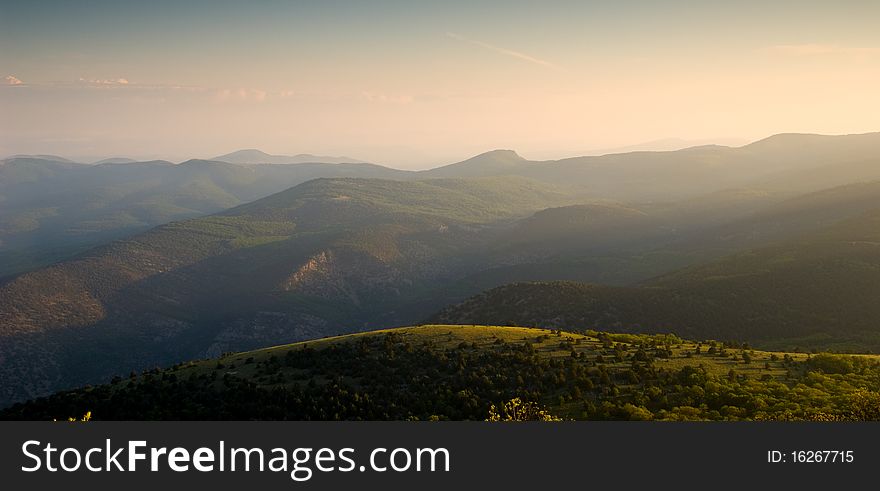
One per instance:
[(54, 210), (324, 257), (469, 372), (816, 291)]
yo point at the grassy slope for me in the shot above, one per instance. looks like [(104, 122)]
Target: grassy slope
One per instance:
[(450, 336), (768, 386)]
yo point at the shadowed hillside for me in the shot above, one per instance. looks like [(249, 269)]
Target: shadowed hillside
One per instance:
[(327, 256), (815, 291), (53, 210)]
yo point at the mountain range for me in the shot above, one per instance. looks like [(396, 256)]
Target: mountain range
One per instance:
[(125, 266), (54, 208), (253, 156)]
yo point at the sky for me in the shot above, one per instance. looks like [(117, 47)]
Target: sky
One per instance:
[(414, 84)]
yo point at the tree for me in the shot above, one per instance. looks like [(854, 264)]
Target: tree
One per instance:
[(517, 410), (636, 413), (865, 406)]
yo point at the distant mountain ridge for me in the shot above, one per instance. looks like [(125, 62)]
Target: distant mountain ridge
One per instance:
[(772, 164), (495, 162), (53, 158), (116, 160), (254, 156), (53, 209)]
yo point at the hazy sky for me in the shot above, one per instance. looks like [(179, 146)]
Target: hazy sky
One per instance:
[(413, 83)]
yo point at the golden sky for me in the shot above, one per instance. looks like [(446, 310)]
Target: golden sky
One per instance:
[(416, 84)]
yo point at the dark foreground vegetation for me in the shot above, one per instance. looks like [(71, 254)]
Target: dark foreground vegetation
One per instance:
[(462, 372)]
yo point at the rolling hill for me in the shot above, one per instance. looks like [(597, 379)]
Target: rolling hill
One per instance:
[(785, 164), (438, 372), (492, 163), (813, 291), (624, 245), (790, 163), (52, 210), (710, 227), (341, 254), (253, 156), (50, 158), (116, 160), (323, 257)]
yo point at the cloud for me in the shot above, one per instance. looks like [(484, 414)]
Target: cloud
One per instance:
[(815, 49), (83, 83), (386, 98), (104, 82), (504, 51), (241, 94), (158, 93), (153, 92)]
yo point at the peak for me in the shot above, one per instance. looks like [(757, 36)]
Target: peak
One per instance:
[(52, 158), (204, 162), (496, 157), (786, 137), (790, 138), (501, 153), (494, 162), (245, 152)]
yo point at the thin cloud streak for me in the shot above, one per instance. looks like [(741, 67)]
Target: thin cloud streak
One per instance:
[(814, 49), (504, 51), (110, 81), (222, 95)]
